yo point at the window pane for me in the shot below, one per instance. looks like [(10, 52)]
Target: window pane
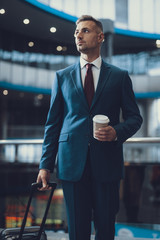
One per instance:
[(122, 11)]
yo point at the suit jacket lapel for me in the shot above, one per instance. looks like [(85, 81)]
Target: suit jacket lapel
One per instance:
[(76, 78), (103, 79)]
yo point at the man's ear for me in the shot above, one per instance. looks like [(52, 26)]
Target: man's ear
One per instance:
[(101, 37)]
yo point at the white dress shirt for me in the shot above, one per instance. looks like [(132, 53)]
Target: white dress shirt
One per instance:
[(95, 70)]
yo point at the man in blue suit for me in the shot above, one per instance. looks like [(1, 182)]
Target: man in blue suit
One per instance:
[(90, 169)]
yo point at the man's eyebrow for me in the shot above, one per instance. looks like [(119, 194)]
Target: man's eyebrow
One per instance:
[(83, 29)]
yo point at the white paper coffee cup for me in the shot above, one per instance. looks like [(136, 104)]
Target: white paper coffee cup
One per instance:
[(99, 121)]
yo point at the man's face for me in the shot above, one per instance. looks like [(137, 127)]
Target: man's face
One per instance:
[(88, 37)]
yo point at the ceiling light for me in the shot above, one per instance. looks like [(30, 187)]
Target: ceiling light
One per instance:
[(53, 29), (40, 96), (158, 43), (5, 92), (26, 21), (59, 48), (31, 44), (2, 11)]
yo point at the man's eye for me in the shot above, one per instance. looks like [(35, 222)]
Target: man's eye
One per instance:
[(85, 30), (76, 33)]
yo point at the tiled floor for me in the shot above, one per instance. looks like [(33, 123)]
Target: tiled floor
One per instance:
[(64, 236)]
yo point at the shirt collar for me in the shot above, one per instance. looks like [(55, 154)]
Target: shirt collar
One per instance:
[(97, 63)]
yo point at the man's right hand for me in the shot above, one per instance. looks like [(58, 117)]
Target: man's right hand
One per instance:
[(43, 177)]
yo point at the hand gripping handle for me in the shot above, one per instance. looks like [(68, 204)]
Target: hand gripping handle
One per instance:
[(36, 185)]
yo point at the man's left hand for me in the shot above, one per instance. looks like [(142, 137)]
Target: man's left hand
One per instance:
[(106, 134)]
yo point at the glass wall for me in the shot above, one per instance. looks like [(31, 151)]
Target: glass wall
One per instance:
[(140, 63)]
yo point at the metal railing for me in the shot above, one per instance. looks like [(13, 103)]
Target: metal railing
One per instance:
[(20, 150), (40, 141), (143, 140), (136, 150), (142, 150)]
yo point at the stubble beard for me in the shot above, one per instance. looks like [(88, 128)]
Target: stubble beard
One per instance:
[(82, 49)]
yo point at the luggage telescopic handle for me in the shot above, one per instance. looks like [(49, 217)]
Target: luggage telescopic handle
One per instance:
[(39, 185), (34, 186)]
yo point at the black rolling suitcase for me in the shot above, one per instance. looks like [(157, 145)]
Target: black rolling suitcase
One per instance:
[(29, 233)]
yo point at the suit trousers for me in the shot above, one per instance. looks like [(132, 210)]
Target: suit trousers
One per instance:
[(89, 199)]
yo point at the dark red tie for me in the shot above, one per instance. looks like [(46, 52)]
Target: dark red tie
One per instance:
[(88, 84)]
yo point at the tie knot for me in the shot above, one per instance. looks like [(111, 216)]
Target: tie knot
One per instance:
[(89, 66)]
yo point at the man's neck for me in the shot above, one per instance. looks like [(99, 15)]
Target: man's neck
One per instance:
[(89, 58)]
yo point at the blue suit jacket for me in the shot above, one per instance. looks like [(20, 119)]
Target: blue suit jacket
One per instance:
[(69, 126)]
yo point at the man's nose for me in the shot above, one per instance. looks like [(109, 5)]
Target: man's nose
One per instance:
[(79, 35)]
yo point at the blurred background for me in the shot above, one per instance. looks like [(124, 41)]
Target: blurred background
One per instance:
[(36, 39)]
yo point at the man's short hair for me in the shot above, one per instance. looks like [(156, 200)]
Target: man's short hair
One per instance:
[(90, 18)]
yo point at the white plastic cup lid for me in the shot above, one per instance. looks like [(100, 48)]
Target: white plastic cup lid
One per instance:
[(101, 119)]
